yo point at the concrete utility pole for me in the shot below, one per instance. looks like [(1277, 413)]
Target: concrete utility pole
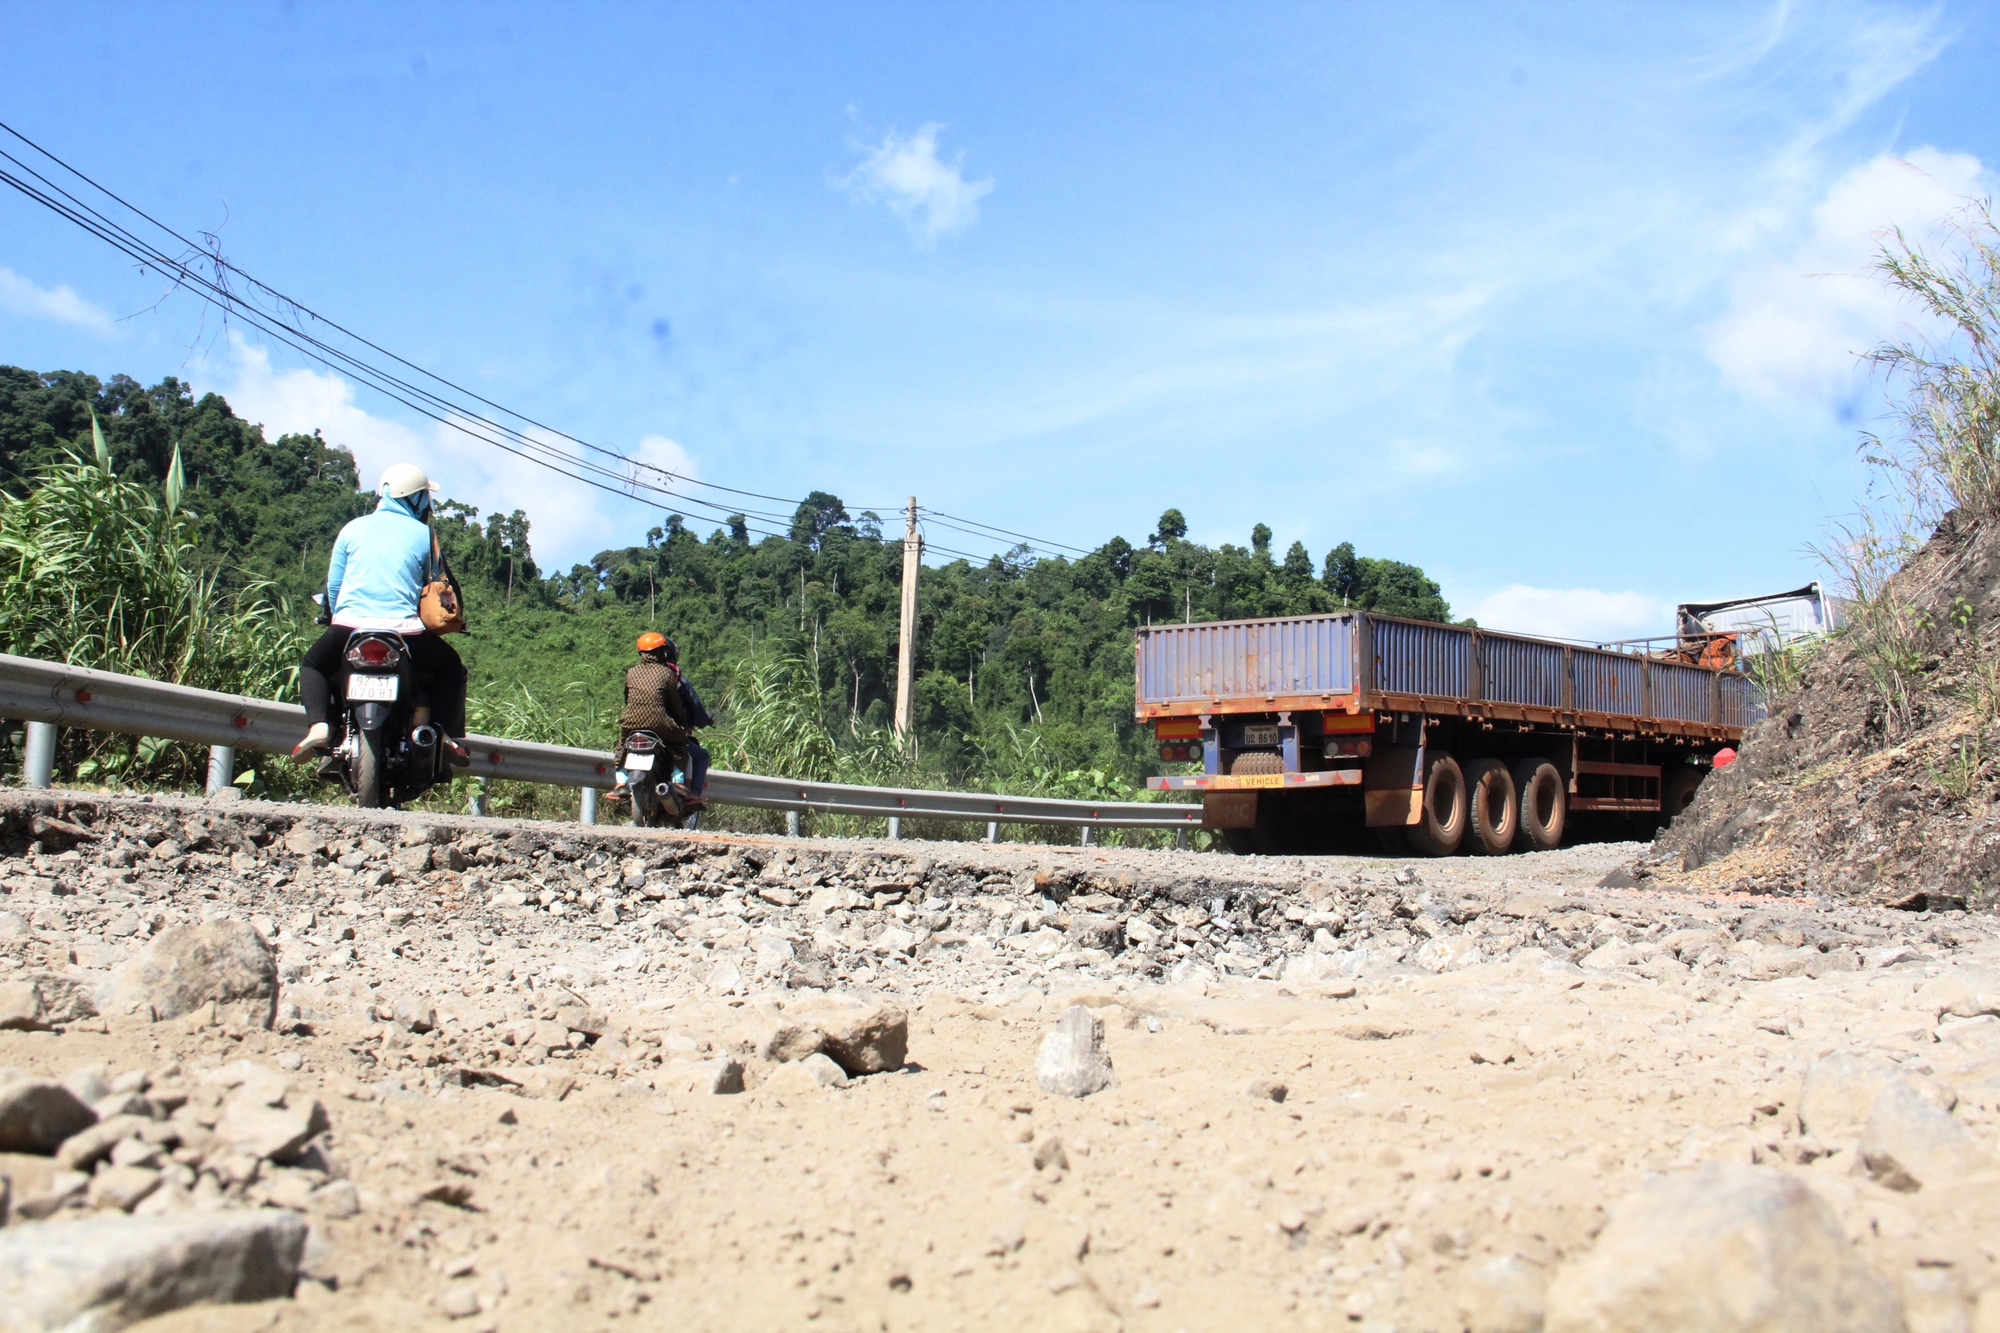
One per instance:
[(906, 650)]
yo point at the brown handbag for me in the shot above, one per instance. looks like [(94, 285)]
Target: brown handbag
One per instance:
[(442, 607)]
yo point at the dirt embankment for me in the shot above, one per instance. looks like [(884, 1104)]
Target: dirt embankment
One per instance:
[(1849, 791)]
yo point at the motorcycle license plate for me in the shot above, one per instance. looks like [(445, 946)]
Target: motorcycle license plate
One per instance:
[(1260, 735), (639, 763), (373, 689)]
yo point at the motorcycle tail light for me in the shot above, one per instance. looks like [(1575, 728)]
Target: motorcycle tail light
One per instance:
[(372, 654), (640, 742)]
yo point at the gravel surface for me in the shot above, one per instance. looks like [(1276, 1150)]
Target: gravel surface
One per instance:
[(547, 1076)]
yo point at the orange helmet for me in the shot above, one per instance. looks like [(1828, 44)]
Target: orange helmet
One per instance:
[(651, 640)]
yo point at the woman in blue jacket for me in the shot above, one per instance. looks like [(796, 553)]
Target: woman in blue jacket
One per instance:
[(381, 562)]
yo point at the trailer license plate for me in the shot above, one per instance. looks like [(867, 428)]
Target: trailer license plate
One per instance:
[(373, 689), (1260, 735), (639, 763)]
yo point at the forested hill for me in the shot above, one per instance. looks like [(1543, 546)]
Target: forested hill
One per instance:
[(1018, 649)]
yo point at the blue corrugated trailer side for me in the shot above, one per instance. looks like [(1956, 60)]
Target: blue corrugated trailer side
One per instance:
[(1442, 736)]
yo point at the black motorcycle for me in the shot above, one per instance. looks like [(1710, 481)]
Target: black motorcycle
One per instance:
[(657, 773), (378, 750)]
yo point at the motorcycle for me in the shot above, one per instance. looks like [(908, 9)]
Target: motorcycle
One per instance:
[(385, 751), (657, 773)]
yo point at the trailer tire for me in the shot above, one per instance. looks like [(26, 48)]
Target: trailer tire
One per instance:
[(1492, 809), (1677, 789), (1544, 805), (1441, 828)]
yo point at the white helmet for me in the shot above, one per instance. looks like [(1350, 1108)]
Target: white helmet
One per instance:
[(404, 479)]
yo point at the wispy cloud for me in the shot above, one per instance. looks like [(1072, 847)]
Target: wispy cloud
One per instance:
[(905, 174), (1799, 319), (24, 297), (1588, 614)]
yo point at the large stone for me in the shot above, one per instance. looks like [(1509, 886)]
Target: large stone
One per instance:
[(1839, 1093), (121, 1187), (871, 1040), (1910, 1142), (279, 1133), (86, 1148), (1726, 1249), (36, 1115), (223, 962), (783, 1041), (41, 1003), (102, 1273), (1087, 930), (583, 1018), (1073, 1061)]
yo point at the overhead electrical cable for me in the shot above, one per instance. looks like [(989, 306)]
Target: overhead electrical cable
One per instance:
[(294, 303), (413, 396), (618, 474), (985, 529)]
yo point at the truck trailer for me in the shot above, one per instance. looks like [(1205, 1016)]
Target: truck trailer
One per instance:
[(1321, 732)]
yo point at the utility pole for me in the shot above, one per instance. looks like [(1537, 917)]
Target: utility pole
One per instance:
[(906, 649)]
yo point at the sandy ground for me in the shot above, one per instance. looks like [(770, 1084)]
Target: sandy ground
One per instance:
[(1477, 1058)]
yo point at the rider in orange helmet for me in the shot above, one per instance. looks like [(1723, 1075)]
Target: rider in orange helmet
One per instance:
[(652, 699)]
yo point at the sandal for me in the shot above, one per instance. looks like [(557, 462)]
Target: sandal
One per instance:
[(316, 738)]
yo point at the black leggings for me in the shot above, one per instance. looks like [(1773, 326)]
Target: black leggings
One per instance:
[(437, 664)]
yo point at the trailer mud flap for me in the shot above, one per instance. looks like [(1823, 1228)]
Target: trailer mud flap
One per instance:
[(1393, 786), (1229, 809)]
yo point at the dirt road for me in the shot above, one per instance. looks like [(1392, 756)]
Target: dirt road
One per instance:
[(1351, 1093)]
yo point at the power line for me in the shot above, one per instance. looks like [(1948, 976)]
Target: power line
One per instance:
[(987, 528), (218, 291), (620, 474)]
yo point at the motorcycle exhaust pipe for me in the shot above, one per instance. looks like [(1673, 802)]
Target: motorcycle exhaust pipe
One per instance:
[(424, 737), (664, 790)]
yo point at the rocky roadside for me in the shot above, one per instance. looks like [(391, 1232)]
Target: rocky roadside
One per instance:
[(541, 1075)]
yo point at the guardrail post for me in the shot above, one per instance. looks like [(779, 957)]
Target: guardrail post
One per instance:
[(1180, 839), (791, 823), (477, 805), (588, 815), (895, 826), (41, 757), (1086, 836), (221, 768), (992, 830)]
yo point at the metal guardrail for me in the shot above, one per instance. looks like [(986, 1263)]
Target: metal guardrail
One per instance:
[(32, 690)]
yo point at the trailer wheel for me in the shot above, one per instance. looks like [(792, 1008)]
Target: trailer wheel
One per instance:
[(1677, 789), (1493, 810), (1442, 827), (1544, 805)]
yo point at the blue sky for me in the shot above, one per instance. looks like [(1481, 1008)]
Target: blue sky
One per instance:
[(1561, 303)]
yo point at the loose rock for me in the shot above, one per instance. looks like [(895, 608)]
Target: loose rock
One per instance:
[(36, 1115), (1910, 1143), (106, 1272), (223, 962), (867, 1041), (1725, 1248), (1073, 1061)]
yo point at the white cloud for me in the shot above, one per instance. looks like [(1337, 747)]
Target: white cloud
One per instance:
[(1574, 613), (903, 172), (23, 297), (661, 452), (1799, 320), (572, 519)]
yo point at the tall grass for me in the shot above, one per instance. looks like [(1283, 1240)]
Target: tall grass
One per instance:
[(101, 572), (1945, 457)]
